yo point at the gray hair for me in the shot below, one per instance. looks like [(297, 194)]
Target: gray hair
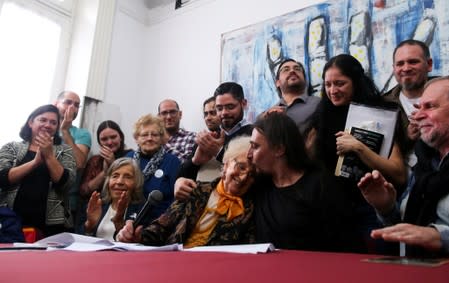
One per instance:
[(237, 146), (137, 194)]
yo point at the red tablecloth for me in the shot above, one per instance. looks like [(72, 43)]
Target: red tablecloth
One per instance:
[(280, 266)]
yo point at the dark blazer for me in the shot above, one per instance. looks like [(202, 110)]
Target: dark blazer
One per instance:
[(131, 212)]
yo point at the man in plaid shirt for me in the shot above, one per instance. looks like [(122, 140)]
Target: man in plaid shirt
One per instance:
[(180, 142)]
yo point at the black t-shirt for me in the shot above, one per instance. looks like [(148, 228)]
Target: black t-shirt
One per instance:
[(305, 215), (31, 200)]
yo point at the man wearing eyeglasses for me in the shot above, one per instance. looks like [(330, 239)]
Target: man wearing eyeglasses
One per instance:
[(78, 139), (180, 142), (292, 88), (230, 104)]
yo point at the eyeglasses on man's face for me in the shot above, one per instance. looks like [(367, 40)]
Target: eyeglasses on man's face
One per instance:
[(288, 69), (166, 113)]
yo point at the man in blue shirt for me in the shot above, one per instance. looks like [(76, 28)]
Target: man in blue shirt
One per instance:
[(78, 139)]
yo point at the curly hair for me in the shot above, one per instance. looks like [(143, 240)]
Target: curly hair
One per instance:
[(149, 120)]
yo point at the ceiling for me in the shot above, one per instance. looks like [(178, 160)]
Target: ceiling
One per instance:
[(151, 4)]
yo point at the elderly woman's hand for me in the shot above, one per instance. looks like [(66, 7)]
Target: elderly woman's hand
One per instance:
[(93, 212), (183, 188), (119, 217), (128, 235)]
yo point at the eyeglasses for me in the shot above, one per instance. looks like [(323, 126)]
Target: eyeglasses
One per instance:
[(45, 121), (287, 69), (152, 135), (228, 107), (69, 102), (172, 112), (212, 113), (242, 168)]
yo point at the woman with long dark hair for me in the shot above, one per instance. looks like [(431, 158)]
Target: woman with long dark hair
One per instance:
[(344, 81), (111, 139)]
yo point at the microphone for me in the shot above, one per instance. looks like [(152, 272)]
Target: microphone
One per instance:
[(153, 199)]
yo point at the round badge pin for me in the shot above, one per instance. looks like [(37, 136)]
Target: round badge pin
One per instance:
[(159, 173)]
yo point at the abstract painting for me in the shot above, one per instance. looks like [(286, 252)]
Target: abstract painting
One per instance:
[(367, 29)]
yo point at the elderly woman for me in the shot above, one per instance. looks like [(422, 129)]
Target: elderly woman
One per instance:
[(159, 167), (122, 198), (36, 174), (216, 213), (112, 146)]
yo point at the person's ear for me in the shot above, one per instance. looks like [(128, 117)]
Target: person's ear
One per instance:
[(279, 150), (429, 65), (277, 83), (244, 103)]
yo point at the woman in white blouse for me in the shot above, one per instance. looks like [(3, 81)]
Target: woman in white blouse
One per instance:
[(121, 198)]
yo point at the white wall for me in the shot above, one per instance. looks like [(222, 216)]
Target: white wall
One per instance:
[(176, 54), (126, 76)]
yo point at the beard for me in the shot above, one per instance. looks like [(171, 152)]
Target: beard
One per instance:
[(230, 123), (297, 87), (435, 139), (414, 85)]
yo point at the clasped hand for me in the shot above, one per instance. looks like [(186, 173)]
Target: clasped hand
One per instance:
[(346, 143), (209, 145), (44, 143), (108, 156)]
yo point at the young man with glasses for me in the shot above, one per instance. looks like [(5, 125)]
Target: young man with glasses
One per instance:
[(79, 139), (292, 90), (230, 103), (180, 142)]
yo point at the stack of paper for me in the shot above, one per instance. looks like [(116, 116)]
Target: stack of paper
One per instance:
[(75, 242)]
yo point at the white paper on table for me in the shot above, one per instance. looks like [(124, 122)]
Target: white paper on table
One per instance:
[(81, 243), (242, 249)]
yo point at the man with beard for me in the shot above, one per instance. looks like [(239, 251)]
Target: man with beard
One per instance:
[(411, 65), (230, 103), (424, 208), (211, 118), (292, 90)]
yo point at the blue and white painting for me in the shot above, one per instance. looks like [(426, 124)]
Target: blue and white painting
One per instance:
[(367, 29)]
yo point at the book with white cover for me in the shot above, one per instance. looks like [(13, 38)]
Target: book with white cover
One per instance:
[(375, 127)]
